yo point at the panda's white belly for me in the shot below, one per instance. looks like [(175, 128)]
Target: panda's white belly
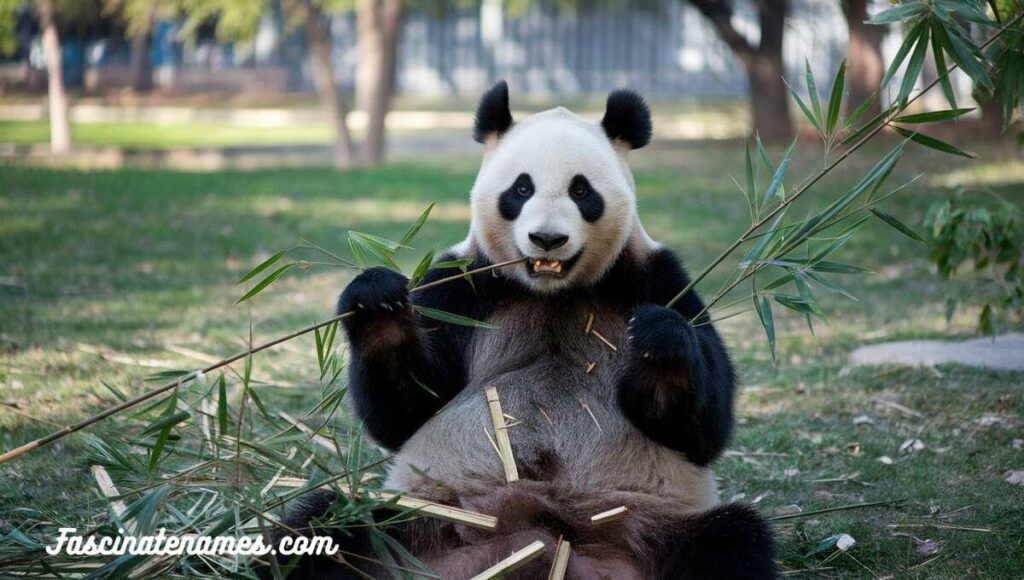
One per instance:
[(565, 425)]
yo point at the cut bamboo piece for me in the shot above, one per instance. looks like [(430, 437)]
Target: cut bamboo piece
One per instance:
[(108, 490), (501, 436), (590, 367), (604, 340), (590, 324), (609, 516), (318, 439), (425, 507), (516, 560), (561, 562)]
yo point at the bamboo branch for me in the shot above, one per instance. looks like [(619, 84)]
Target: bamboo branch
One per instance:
[(171, 385), (508, 461), (561, 562), (746, 235), (426, 507), (609, 516), (518, 559)]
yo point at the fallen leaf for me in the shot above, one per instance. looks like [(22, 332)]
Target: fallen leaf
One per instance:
[(863, 420)]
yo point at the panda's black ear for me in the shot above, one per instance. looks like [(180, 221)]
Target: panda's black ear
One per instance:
[(493, 117), (627, 119)]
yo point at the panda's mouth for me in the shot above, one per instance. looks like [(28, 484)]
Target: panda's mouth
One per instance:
[(546, 267)]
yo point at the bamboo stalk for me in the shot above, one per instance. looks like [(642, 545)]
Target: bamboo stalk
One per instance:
[(69, 429), (561, 562), (609, 516), (516, 560), (423, 506), (109, 491), (508, 461)]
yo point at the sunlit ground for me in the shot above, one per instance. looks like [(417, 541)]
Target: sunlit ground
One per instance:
[(116, 275)]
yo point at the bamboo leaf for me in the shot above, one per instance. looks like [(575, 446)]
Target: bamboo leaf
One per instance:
[(452, 318), (812, 92), (263, 266), (415, 228), (222, 405), (940, 64), (264, 283), (964, 53), (421, 269), (835, 101), (897, 225), (933, 143), (837, 268), (908, 42), (168, 421), (780, 173), (913, 70), (901, 13), (803, 107), (932, 116), (855, 116), (764, 313)]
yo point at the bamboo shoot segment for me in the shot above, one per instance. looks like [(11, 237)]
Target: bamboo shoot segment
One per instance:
[(518, 559)]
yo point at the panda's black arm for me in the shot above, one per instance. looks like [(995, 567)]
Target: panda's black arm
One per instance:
[(403, 367), (679, 383)]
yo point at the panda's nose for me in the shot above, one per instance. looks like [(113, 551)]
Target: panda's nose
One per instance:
[(548, 240)]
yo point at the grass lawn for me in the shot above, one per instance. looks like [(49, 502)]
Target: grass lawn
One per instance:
[(112, 276)]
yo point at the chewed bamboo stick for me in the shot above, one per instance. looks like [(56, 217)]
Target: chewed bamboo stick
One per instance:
[(108, 490), (516, 560), (425, 507), (606, 342), (508, 462), (609, 516), (561, 562), (318, 439)]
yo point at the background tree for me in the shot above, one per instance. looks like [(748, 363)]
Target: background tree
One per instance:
[(379, 27), (139, 18), (864, 65), (769, 97), (60, 123)]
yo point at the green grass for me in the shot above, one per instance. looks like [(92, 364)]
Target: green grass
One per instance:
[(103, 273)]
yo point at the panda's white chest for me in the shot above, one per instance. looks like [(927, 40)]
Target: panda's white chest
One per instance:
[(555, 371)]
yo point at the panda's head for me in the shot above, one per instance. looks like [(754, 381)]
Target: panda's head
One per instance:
[(555, 188)]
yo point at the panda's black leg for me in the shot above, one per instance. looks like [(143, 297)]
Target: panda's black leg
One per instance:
[(729, 542)]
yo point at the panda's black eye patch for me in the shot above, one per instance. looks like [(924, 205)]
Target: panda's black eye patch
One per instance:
[(511, 201), (589, 201)]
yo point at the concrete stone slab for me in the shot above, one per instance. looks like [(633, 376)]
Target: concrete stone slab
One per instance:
[(1005, 352)]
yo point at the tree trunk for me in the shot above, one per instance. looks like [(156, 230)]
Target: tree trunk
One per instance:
[(769, 98), (766, 72), (141, 63), (60, 126), (315, 24), (379, 23), (864, 65)]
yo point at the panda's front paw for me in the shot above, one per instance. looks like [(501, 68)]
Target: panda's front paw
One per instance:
[(659, 334), (375, 294)]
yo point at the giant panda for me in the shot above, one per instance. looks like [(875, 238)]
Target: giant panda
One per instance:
[(634, 420)]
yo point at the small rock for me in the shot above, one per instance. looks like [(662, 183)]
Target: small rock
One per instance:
[(863, 420), (1014, 477), (928, 547), (791, 472), (1018, 443), (845, 542), (885, 459), (737, 497), (912, 446)]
